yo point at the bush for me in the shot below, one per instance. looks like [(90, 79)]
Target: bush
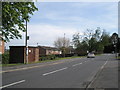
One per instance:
[(5, 58), (47, 57), (69, 55), (66, 55)]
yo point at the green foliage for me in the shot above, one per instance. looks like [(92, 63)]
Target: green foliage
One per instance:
[(92, 44), (5, 58), (47, 57), (82, 48), (93, 40), (99, 47), (105, 38), (14, 16)]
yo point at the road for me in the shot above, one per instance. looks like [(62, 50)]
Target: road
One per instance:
[(69, 73)]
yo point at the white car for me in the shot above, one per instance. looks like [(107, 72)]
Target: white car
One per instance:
[(91, 55)]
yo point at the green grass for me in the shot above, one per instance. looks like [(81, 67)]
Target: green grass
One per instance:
[(119, 57), (5, 65), (98, 54)]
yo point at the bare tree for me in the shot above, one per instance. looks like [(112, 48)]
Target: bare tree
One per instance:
[(62, 42)]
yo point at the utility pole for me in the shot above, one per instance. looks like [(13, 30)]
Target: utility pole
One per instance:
[(37, 44), (64, 45), (26, 45)]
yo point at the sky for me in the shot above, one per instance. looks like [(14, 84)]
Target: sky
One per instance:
[(53, 19)]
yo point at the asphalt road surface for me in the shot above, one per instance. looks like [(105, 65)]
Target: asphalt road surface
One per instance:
[(69, 73)]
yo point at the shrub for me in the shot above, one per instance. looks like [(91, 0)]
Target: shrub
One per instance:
[(5, 58), (47, 57)]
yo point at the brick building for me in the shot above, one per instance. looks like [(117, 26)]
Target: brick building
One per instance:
[(2, 47), (18, 54), (44, 50)]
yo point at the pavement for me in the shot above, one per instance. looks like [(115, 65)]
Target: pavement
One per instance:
[(98, 73)]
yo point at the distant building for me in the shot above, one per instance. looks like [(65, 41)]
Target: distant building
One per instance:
[(44, 50), (2, 47)]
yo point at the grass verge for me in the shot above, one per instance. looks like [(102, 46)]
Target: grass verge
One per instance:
[(119, 57), (6, 65)]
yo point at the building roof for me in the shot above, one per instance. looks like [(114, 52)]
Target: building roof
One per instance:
[(24, 46), (49, 48)]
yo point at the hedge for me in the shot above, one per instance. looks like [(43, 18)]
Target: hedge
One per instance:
[(52, 57), (47, 57), (5, 58)]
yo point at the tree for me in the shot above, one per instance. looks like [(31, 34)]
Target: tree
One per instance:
[(62, 43), (91, 37), (97, 34), (115, 41), (114, 38), (105, 38), (82, 48), (14, 16), (76, 40), (88, 34), (93, 40)]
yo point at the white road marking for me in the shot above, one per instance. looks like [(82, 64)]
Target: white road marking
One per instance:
[(12, 84), (77, 64), (104, 65), (55, 71)]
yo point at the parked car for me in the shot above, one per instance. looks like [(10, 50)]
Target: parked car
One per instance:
[(91, 55)]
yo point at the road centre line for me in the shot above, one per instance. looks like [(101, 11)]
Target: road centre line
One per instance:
[(54, 71), (76, 64), (12, 84)]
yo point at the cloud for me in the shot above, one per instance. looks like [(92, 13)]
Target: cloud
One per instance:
[(78, 14), (44, 34), (48, 33)]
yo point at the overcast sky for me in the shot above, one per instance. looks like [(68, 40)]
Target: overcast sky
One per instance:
[(52, 20)]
